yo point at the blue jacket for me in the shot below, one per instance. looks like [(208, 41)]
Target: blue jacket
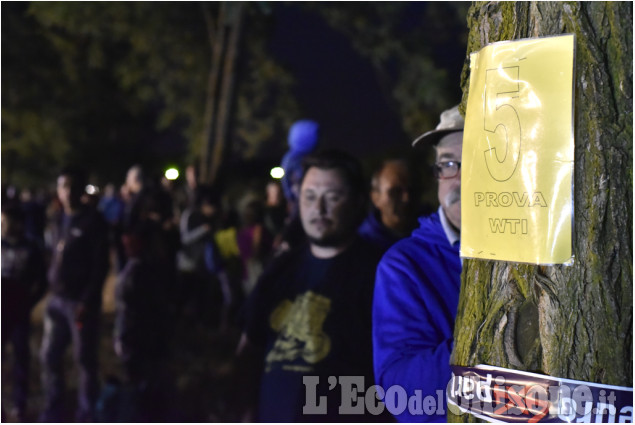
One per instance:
[(414, 308), (374, 231)]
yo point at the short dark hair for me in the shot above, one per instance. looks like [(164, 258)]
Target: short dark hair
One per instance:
[(374, 181), (334, 159), (77, 174)]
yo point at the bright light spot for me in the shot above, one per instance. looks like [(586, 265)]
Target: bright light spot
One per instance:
[(277, 172), (91, 190), (172, 174)]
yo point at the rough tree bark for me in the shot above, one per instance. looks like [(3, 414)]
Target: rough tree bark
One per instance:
[(570, 322)]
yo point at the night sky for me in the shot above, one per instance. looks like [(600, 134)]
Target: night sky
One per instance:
[(335, 85)]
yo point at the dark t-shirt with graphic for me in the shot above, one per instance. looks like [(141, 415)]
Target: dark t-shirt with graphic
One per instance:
[(313, 317)]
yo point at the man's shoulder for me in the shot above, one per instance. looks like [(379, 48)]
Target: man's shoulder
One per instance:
[(428, 234), (370, 222), (375, 232)]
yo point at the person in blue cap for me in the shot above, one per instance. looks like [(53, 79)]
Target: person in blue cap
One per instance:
[(417, 290), (303, 139)]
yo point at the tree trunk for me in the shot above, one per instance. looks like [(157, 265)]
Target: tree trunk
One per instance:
[(235, 19), (566, 321), (216, 35), (224, 38)]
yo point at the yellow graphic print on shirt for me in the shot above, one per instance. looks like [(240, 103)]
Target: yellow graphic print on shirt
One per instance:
[(300, 330)]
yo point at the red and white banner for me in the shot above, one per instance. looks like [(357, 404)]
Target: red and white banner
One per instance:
[(497, 394)]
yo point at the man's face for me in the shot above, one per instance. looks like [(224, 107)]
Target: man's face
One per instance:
[(68, 194), (391, 195), (450, 148), (132, 181), (328, 209)]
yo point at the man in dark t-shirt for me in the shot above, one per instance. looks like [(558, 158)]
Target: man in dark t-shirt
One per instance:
[(308, 321)]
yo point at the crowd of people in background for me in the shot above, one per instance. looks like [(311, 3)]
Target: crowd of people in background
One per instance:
[(292, 267)]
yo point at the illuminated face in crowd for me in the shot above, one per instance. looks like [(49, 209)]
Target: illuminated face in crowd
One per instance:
[(449, 152), (391, 194), (328, 209), (134, 180), (68, 192)]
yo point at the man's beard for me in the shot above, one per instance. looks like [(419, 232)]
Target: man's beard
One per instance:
[(332, 240)]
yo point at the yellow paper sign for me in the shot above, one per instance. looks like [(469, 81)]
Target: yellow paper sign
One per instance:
[(517, 165)]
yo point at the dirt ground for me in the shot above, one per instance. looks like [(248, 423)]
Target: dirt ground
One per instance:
[(201, 363)]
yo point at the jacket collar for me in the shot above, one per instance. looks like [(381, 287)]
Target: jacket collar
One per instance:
[(450, 233)]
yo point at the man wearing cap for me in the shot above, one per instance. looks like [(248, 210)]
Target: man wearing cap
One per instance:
[(417, 290)]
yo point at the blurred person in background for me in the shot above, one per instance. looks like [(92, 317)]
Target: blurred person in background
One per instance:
[(275, 212), (136, 190), (142, 332), (10, 195), (23, 284), (226, 247), (144, 314), (111, 206), (149, 214), (79, 265), (196, 272), (254, 243), (392, 216), (34, 216), (185, 195), (303, 139)]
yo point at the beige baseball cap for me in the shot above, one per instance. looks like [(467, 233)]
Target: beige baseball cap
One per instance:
[(451, 121)]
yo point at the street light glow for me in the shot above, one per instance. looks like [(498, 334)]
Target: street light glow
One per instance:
[(277, 172), (92, 190), (172, 174)]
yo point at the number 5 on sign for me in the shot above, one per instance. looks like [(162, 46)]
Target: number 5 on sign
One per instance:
[(501, 122), (517, 166)]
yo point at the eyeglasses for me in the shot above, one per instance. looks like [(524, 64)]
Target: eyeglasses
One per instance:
[(446, 169)]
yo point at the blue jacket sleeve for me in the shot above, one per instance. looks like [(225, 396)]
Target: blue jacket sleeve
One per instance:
[(213, 261), (412, 339)]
